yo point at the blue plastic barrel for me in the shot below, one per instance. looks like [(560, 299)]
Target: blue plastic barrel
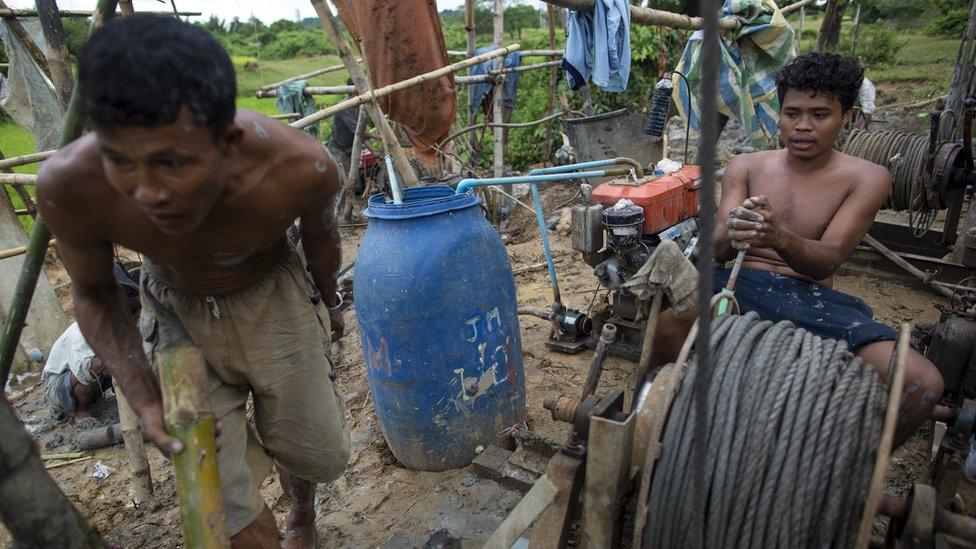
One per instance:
[(435, 301)]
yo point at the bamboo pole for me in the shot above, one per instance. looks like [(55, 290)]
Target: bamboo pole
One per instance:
[(65, 463), (186, 409), (57, 50), (289, 116), (32, 507), (492, 76), (20, 250), (354, 157), (9, 13), (18, 179), (23, 160), (305, 76), (387, 90), (470, 29), (65, 455), (364, 85), (125, 6), (553, 76), (141, 487), (652, 17), (525, 53), (74, 125)]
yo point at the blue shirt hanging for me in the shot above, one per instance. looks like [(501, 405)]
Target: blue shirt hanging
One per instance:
[(598, 46)]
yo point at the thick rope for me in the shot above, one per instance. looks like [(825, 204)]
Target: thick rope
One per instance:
[(904, 156), (793, 427)]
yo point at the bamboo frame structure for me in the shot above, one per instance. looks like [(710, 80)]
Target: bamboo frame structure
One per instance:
[(30, 207), (387, 90), (19, 179), (524, 53), (497, 109), (189, 418), (21, 34)]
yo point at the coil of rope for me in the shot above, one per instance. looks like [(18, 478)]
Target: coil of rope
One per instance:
[(793, 422), (905, 156)]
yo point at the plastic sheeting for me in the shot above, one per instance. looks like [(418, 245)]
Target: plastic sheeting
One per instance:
[(26, 94)]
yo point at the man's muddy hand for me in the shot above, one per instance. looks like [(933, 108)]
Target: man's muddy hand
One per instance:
[(151, 417), (337, 324), (745, 223)]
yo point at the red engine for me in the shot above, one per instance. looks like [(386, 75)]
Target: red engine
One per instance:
[(666, 199)]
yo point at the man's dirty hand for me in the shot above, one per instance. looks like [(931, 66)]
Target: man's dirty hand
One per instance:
[(151, 417), (338, 325)]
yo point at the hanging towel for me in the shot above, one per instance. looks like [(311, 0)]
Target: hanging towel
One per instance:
[(479, 92), (290, 98), (401, 39), (751, 55), (598, 46)]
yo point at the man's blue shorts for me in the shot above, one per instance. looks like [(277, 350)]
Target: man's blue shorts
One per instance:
[(820, 310)]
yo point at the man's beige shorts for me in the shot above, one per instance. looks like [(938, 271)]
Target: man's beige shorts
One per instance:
[(268, 341)]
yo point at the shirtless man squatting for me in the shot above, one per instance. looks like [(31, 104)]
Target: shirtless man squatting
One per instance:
[(206, 193), (800, 212)]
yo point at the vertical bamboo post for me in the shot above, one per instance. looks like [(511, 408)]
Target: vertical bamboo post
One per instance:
[(497, 113), (469, 27), (125, 6), (357, 150), (551, 23), (186, 409), (57, 49), (498, 36), (799, 34), (364, 84), (33, 508), (74, 125), (141, 487)]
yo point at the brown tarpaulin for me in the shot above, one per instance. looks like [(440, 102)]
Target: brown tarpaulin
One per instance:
[(401, 39)]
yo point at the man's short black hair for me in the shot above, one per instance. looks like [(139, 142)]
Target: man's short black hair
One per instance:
[(140, 70), (826, 73)]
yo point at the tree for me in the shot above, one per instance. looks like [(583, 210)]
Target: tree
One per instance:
[(214, 25), (284, 25), (520, 17)]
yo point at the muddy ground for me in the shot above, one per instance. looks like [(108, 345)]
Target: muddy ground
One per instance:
[(376, 502)]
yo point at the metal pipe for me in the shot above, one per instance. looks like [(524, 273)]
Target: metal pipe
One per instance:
[(526, 311), (574, 167), (946, 522), (394, 184), (607, 336), (550, 263)]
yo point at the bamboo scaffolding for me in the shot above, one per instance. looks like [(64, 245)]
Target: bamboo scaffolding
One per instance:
[(471, 32), (25, 197), (23, 160), (305, 76), (364, 85), (652, 17), (74, 125), (353, 175), (186, 409), (16, 12), (387, 90)]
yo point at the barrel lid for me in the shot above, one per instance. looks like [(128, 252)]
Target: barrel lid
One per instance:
[(420, 202)]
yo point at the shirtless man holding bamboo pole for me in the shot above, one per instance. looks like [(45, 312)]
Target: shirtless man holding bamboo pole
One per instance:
[(206, 193)]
